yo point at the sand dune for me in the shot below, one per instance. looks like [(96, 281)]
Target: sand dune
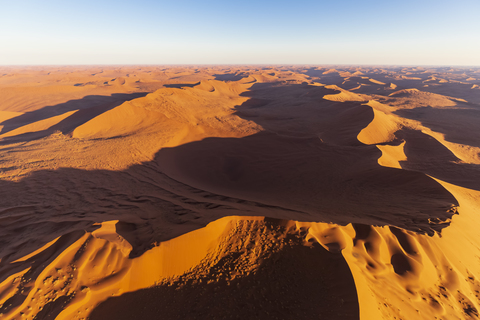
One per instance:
[(263, 192), (40, 125), (435, 100), (382, 128), (376, 81), (344, 95), (5, 115)]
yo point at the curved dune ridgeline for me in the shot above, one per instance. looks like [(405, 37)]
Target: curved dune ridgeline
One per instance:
[(281, 192)]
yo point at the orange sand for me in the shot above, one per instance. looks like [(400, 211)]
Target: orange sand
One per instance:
[(282, 192)]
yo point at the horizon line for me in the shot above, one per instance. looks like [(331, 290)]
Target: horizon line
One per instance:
[(238, 64)]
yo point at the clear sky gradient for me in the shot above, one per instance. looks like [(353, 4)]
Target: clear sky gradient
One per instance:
[(421, 32)]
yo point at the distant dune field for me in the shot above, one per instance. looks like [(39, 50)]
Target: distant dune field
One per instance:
[(239, 192)]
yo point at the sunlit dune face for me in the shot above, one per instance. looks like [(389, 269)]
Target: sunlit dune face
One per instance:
[(260, 192)]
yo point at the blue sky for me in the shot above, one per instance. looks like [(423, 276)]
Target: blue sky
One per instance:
[(240, 32)]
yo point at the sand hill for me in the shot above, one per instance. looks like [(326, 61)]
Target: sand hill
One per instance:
[(275, 192)]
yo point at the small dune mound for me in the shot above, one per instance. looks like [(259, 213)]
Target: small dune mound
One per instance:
[(264, 77), (359, 86), (408, 98), (343, 96), (382, 129), (37, 126), (392, 155), (120, 121), (205, 86), (222, 88), (422, 95), (6, 115), (404, 93), (249, 79), (376, 81), (330, 71)]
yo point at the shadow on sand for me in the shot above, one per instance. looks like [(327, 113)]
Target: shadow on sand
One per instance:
[(88, 108)]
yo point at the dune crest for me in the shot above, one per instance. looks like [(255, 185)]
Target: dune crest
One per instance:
[(382, 129)]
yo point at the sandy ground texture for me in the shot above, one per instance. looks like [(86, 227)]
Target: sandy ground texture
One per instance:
[(239, 192)]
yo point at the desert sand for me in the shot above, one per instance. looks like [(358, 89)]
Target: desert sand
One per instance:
[(239, 192)]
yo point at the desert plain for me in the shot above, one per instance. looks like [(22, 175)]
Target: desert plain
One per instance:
[(239, 192)]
